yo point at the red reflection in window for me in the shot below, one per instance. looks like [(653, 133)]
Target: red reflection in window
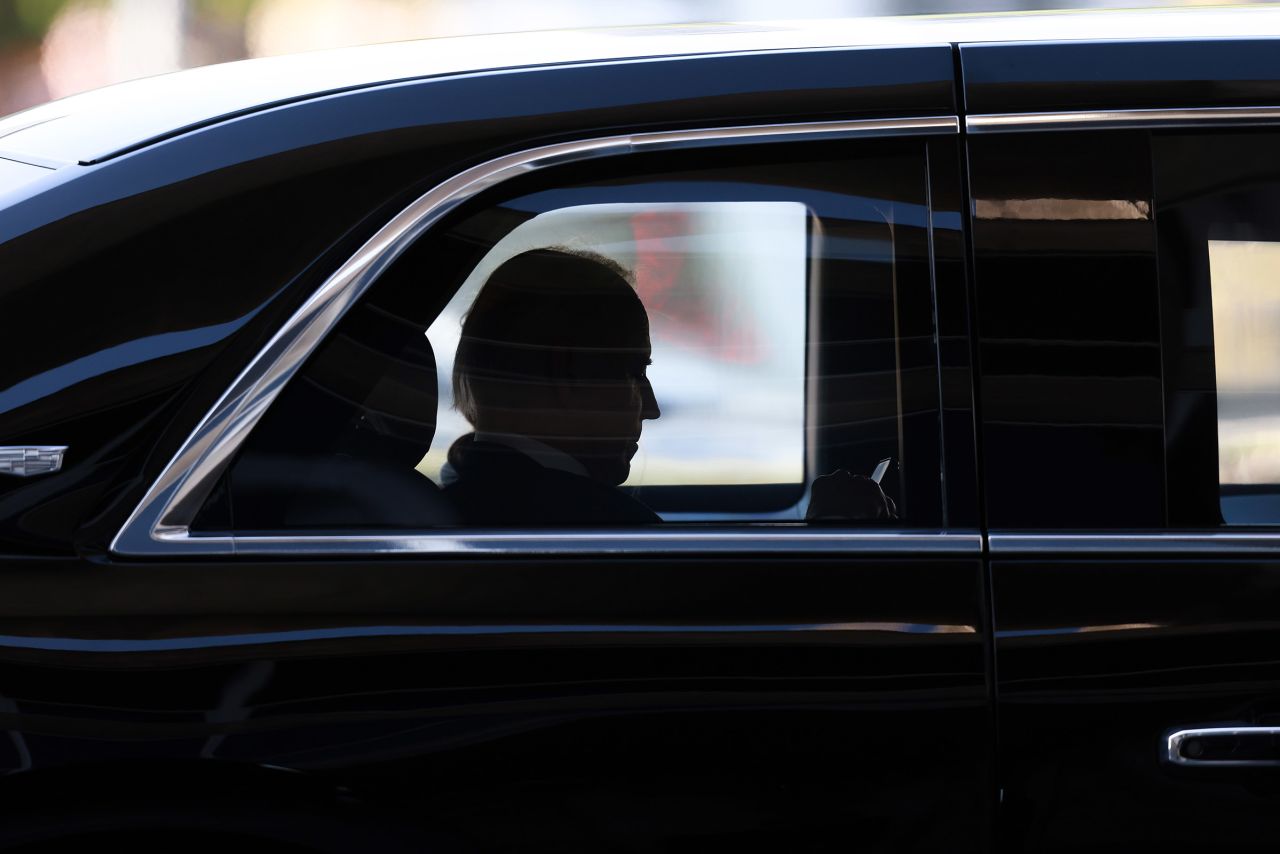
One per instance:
[(685, 308)]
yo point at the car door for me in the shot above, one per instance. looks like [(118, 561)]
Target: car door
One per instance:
[(1124, 271), (295, 596)]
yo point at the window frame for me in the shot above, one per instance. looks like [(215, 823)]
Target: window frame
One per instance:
[(1225, 540), (160, 524)]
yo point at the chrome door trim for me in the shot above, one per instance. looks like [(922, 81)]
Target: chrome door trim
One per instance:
[(1176, 741), (159, 525), (751, 539), (189, 643), (1119, 119), (1064, 544)]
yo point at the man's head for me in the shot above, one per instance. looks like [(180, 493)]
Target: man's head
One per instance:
[(555, 348)]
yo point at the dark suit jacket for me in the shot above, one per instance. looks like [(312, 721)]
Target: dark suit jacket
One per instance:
[(498, 485)]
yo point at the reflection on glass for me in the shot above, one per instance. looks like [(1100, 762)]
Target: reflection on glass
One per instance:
[(724, 285), (1062, 209), (1246, 351)]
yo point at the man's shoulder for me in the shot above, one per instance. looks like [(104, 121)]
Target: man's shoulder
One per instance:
[(496, 484)]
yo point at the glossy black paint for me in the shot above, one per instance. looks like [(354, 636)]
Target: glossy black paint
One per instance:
[(1097, 368), (1120, 75), (1098, 660), (533, 705), (888, 81), (127, 361), (291, 192), (529, 105), (646, 702), (632, 702)]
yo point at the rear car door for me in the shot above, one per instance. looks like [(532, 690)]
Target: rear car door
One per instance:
[(1124, 236)]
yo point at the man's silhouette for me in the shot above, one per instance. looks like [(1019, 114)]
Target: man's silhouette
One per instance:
[(550, 372)]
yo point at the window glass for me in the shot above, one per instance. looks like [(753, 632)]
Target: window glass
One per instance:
[(1246, 352), (1069, 330), (742, 335), (723, 284), (1219, 235)]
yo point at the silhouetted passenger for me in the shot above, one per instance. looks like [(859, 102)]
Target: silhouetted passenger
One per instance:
[(550, 372)]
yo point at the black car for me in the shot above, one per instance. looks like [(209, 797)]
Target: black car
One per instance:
[(340, 509)]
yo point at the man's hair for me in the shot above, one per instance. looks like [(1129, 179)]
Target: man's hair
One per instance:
[(532, 305)]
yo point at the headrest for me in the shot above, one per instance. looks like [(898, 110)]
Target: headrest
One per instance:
[(375, 386), (368, 393), (339, 444)]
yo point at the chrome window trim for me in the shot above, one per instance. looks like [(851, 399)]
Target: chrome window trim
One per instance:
[(1066, 544), (1119, 119), (753, 539), (159, 525)]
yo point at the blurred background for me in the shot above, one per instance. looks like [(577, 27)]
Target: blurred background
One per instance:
[(53, 48)]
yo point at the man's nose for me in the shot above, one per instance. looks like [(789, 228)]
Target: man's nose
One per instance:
[(650, 409)]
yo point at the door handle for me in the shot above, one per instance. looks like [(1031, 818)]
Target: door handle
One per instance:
[(1233, 746)]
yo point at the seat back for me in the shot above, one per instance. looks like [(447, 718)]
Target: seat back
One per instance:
[(338, 447)]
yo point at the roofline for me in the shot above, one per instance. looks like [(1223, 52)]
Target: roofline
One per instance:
[(87, 128)]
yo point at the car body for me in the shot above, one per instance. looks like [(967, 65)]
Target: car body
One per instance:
[(1008, 231)]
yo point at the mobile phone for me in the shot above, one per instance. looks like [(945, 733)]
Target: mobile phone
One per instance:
[(881, 468)]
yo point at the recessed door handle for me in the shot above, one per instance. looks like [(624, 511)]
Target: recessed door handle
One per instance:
[(1236, 746)]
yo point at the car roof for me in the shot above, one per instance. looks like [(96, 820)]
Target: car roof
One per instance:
[(95, 125)]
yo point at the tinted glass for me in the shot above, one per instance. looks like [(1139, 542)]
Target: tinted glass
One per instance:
[(724, 287), (736, 335), (1218, 212), (1069, 331)]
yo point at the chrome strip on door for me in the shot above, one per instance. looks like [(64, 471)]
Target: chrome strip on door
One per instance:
[(1065, 544), (187, 643), (160, 523), (1119, 119), (750, 539)]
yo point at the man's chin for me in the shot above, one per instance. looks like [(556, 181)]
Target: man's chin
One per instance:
[(616, 475), (613, 469), (624, 463)]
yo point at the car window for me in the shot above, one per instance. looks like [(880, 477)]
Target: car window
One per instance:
[(724, 285), (1219, 233), (1069, 331), (738, 335)]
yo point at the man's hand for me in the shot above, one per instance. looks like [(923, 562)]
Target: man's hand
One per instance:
[(840, 495)]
